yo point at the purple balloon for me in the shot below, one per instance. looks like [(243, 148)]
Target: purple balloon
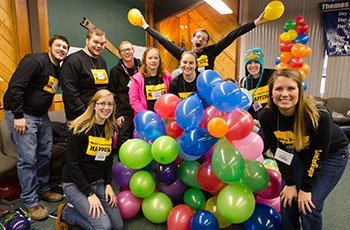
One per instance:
[(18, 223), (165, 173), (122, 174), (175, 191)]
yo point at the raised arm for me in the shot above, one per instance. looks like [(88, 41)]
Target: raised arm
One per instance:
[(171, 47)]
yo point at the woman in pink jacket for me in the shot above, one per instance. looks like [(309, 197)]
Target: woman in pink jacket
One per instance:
[(149, 83)]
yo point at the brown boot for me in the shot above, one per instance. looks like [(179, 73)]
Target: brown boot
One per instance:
[(51, 196), (38, 212), (60, 223)]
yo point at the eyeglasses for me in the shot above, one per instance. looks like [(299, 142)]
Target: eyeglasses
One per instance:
[(125, 50), (200, 37), (103, 104)]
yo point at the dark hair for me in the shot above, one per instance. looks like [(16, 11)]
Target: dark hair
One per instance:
[(201, 30), (95, 30), (60, 37)]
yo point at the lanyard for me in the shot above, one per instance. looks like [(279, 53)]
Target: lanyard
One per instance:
[(257, 86)]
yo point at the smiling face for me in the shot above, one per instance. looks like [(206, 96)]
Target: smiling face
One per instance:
[(95, 45), (58, 51), (199, 41), (103, 108), (152, 61), (253, 68), (188, 65), (285, 95), (126, 51)]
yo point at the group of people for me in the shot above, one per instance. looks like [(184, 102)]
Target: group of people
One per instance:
[(98, 105)]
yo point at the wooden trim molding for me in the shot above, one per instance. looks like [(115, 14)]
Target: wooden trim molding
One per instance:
[(21, 18), (43, 25)]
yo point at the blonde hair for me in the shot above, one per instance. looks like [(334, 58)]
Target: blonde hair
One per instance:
[(143, 69), (306, 107), (86, 121)]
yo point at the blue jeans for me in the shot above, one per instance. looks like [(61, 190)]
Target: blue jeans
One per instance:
[(33, 155), (79, 213), (328, 176)]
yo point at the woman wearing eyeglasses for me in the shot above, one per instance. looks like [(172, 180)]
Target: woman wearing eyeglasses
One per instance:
[(87, 172)]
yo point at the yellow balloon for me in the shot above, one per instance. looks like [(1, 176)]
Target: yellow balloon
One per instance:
[(293, 34), (273, 10), (211, 206), (284, 36), (135, 17)]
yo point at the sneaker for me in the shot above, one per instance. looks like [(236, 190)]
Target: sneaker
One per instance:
[(38, 212), (51, 196), (60, 223)]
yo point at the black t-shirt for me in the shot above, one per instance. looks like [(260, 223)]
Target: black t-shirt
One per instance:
[(151, 81), (182, 88)]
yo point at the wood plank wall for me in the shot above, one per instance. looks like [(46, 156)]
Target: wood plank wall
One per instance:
[(183, 25)]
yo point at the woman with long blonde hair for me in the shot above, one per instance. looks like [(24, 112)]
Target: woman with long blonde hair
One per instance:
[(310, 149), (87, 172)]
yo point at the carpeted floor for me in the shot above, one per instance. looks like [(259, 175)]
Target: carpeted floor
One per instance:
[(336, 211)]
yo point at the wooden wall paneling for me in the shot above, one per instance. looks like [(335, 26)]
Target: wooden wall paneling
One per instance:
[(22, 28), (43, 25), (203, 16)]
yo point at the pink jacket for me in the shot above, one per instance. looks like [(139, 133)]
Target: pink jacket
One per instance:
[(137, 95)]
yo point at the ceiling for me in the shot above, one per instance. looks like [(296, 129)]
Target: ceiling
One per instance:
[(167, 8)]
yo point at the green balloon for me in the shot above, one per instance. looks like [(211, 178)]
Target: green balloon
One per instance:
[(227, 162), (289, 25), (135, 153), (157, 207), (194, 198), (270, 162), (188, 173), (255, 176), (142, 184), (235, 204), (165, 149)]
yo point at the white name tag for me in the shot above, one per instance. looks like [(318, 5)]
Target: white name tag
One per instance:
[(129, 84), (257, 106), (100, 156), (283, 156)]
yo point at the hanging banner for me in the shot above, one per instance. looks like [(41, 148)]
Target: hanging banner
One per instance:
[(336, 25)]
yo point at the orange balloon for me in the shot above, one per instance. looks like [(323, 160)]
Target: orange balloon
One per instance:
[(307, 51), (305, 68), (282, 66), (217, 127), (298, 50), (286, 56), (302, 73), (135, 17)]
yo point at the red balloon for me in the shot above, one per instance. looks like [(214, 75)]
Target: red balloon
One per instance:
[(180, 218), (296, 62), (273, 188), (286, 46), (299, 19), (166, 104), (209, 113), (173, 129), (240, 123), (302, 28), (207, 178)]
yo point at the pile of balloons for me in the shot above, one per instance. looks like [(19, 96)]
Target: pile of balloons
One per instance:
[(159, 167), (293, 45)]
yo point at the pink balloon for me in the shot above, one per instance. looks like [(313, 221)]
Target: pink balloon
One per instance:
[(274, 203), (273, 188), (210, 113), (260, 159), (250, 147), (240, 123), (180, 218), (128, 204)]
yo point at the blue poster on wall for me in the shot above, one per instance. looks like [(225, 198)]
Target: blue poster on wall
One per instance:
[(336, 25)]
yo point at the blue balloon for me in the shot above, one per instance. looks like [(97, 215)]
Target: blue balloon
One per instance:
[(149, 125), (18, 223), (186, 156), (247, 100), (263, 217), (204, 220), (197, 141), (206, 81), (304, 85), (226, 96), (189, 112), (302, 38), (277, 60)]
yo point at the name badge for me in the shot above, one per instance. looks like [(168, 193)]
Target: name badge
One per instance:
[(283, 156), (100, 156), (257, 106)]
